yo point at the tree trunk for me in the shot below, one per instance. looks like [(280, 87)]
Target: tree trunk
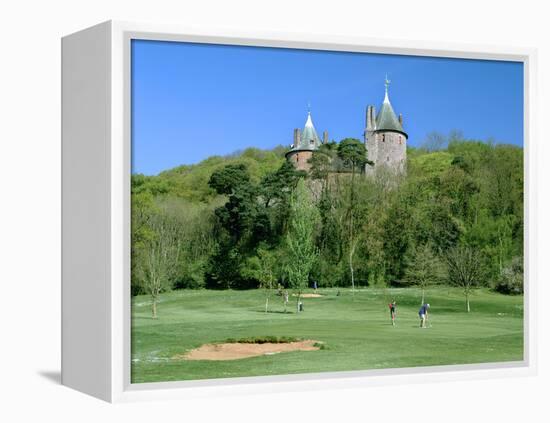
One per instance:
[(351, 228), (351, 271), (154, 308), (422, 296), (266, 303), (468, 302)]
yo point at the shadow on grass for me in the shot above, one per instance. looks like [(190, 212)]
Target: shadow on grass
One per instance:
[(274, 312)]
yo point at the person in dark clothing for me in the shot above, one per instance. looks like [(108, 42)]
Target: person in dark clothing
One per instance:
[(423, 314), (392, 306)]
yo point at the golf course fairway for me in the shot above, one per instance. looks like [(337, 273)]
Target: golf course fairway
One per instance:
[(354, 328)]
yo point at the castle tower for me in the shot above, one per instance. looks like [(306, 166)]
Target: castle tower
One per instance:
[(305, 143), (385, 139)]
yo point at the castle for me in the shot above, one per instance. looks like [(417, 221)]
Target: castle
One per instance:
[(384, 137)]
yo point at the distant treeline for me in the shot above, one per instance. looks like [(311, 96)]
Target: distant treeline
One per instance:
[(225, 221)]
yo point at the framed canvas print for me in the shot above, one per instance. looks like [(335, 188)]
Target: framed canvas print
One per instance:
[(263, 212)]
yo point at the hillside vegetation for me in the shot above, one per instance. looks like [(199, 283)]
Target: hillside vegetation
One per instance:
[(233, 221)]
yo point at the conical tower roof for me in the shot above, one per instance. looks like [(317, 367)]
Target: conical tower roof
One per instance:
[(386, 119), (309, 139)]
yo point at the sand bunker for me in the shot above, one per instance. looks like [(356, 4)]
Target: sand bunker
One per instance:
[(237, 350), (308, 295)]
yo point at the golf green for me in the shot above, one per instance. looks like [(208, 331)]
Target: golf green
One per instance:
[(356, 330)]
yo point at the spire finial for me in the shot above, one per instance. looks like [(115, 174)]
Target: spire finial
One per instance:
[(308, 108), (387, 84)]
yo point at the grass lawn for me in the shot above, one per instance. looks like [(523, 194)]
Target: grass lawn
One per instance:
[(356, 329)]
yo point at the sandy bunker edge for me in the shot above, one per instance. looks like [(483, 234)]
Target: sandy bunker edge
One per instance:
[(238, 350)]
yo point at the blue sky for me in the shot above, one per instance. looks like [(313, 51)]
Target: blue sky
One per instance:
[(191, 101)]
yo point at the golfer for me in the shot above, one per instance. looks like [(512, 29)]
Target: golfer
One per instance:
[(423, 314), (392, 306)]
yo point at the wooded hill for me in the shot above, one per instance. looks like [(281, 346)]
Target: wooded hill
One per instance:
[(229, 222)]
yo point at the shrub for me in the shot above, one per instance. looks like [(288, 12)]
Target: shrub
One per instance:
[(321, 345), (263, 340), (510, 280), (328, 274)]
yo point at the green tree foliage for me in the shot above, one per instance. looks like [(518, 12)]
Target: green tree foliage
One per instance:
[(353, 154), (229, 179), (300, 239), (158, 258), (321, 166), (464, 269), (510, 280), (191, 182), (424, 268), (238, 221), (396, 238), (254, 213), (278, 185), (275, 190), (142, 207), (230, 211), (262, 267), (196, 238)]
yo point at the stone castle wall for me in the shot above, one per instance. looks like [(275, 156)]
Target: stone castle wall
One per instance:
[(299, 159), (388, 149)]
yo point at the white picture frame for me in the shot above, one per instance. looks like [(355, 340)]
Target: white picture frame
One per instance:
[(96, 213)]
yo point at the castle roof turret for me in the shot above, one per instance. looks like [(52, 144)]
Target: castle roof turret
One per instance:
[(309, 140), (386, 119)]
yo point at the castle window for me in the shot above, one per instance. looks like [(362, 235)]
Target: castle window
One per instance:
[(400, 140), (297, 157), (383, 137), (388, 159), (311, 142)]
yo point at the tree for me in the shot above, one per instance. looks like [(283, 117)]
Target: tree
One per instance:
[(239, 212), (493, 238), (455, 135), (159, 258), (424, 268), (300, 241), (396, 236), (275, 190), (229, 178), (510, 280), (434, 141), (224, 268), (241, 226), (320, 166), (195, 224), (353, 154), (262, 268), (142, 207), (277, 186), (464, 269)]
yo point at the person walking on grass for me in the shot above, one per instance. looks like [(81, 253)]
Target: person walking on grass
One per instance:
[(423, 314), (392, 306)]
